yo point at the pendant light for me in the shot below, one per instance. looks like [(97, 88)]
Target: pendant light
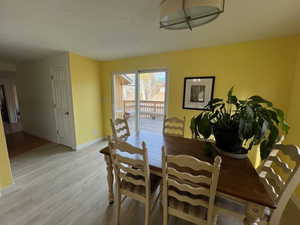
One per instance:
[(187, 14)]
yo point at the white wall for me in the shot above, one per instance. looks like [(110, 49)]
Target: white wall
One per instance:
[(35, 96), (8, 79)]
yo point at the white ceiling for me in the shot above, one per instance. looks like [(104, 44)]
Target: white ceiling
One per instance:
[(122, 28)]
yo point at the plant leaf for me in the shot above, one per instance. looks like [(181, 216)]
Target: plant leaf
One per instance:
[(193, 127), (259, 99), (214, 101), (250, 113), (267, 145), (232, 99), (204, 126), (285, 127), (280, 114), (274, 133), (246, 129), (230, 92), (260, 131), (273, 115), (265, 150), (212, 104)]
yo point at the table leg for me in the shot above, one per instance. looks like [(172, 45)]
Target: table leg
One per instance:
[(110, 178), (254, 214)]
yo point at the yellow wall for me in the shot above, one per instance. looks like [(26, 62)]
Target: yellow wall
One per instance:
[(86, 89), (263, 67), (294, 109), (5, 171)]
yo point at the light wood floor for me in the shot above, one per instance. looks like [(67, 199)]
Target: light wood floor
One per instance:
[(56, 186)]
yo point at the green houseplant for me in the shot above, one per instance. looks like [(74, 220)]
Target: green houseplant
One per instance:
[(237, 125)]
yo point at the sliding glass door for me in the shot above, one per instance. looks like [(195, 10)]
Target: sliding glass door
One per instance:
[(152, 94), (125, 103), (141, 98)]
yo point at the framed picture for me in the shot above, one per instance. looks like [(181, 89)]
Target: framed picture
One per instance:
[(198, 91)]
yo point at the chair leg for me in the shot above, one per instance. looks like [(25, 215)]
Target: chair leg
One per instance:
[(147, 214), (164, 205), (215, 220), (118, 209), (161, 192), (165, 216)]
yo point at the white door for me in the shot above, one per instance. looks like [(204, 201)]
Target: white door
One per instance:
[(63, 105)]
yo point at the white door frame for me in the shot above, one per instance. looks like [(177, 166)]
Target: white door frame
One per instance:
[(137, 96)]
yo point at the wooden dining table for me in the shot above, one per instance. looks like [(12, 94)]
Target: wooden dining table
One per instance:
[(238, 179)]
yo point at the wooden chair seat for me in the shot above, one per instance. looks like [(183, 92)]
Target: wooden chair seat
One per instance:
[(140, 189), (186, 210), (222, 206), (227, 207)]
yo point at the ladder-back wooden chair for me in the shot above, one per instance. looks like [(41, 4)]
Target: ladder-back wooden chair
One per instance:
[(279, 142), (133, 178), (187, 194), (174, 126), (280, 174), (120, 129)]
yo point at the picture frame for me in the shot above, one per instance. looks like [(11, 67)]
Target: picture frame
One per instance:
[(197, 92)]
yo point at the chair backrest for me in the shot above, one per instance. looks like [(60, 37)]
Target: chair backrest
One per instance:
[(182, 184), (174, 126), (120, 129), (131, 164), (280, 173)]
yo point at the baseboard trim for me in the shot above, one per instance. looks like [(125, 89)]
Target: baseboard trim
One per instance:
[(6, 189), (296, 200), (87, 144)]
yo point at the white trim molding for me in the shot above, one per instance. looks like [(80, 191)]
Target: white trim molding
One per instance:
[(296, 200), (87, 144)]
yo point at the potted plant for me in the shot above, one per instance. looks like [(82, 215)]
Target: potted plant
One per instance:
[(237, 125)]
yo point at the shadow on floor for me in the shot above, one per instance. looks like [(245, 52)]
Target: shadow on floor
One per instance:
[(21, 142)]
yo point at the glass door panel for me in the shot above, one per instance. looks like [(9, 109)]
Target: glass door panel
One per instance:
[(152, 92), (125, 98)]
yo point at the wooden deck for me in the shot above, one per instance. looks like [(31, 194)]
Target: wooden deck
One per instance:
[(153, 125)]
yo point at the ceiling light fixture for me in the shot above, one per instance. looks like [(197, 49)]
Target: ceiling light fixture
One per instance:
[(187, 14)]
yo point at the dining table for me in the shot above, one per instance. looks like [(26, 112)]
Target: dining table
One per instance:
[(238, 180)]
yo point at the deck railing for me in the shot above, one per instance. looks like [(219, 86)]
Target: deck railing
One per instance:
[(148, 109)]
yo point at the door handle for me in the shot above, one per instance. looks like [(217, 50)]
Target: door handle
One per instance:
[(67, 113)]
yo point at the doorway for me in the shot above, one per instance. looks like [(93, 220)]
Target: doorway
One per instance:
[(140, 97), (3, 105)]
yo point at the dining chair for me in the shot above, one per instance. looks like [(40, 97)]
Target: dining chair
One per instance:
[(174, 126), (279, 141), (280, 173), (186, 194), (120, 129), (133, 178)]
